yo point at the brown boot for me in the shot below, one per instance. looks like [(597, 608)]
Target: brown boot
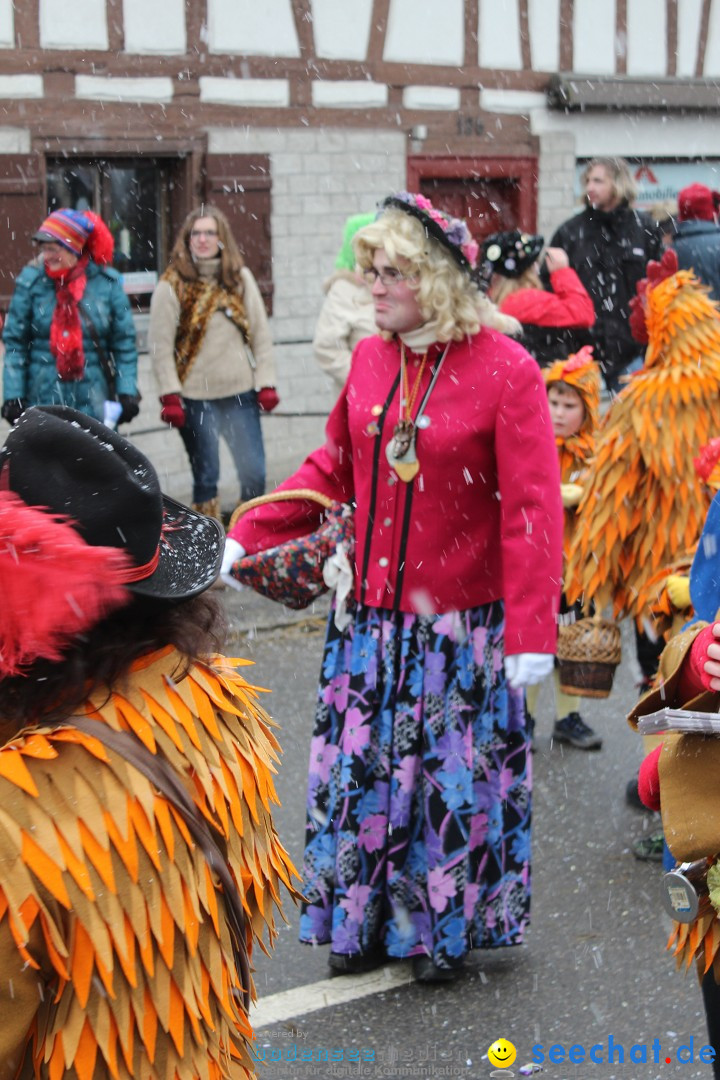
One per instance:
[(211, 508)]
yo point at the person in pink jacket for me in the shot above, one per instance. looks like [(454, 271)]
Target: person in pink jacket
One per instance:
[(419, 802)]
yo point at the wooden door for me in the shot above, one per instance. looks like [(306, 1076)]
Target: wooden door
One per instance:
[(492, 194)]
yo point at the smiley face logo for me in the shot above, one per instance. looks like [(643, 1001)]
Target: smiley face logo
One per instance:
[(501, 1054)]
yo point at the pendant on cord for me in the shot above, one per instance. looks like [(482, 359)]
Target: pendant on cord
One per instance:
[(400, 451)]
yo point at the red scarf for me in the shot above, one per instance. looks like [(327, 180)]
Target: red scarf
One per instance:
[(66, 340)]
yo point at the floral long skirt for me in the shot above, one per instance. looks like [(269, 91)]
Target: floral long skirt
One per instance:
[(419, 795)]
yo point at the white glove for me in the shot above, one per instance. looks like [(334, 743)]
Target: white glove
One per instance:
[(528, 668), (233, 552)]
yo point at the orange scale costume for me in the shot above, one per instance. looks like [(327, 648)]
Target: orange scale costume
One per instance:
[(643, 503), (575, 451), (117, 954)]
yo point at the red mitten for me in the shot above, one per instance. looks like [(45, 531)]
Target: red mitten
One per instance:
[(649, 780), (268, 399), (173, 410), (694, 678)]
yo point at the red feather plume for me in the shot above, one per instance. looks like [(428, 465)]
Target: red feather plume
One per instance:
[(53, 585), (100, 244), (656, 272)]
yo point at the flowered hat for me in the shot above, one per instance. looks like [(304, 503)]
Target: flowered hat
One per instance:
[(582, 373), (451, 232), (512, 253)]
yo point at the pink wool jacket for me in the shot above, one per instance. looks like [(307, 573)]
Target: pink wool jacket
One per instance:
[(485, 517)]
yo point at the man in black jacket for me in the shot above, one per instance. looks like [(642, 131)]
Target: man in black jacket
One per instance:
[(608, 245)]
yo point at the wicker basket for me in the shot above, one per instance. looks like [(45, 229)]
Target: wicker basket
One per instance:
[(588, 652)]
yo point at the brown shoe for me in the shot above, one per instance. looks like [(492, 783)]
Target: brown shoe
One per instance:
[(210, 508)]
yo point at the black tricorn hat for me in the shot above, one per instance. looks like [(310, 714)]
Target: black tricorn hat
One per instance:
[(70, 464)]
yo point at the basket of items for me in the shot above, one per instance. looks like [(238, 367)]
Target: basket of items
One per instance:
[(588, 653)]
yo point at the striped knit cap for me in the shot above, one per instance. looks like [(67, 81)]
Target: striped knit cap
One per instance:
[(71, 228)]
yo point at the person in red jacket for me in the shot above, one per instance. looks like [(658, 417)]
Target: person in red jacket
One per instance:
[(552, 321), (418, 829)]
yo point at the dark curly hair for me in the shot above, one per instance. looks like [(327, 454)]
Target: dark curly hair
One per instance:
[(48, 692)]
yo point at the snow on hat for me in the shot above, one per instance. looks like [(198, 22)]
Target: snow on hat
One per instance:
[(697, 203), (59, 459)]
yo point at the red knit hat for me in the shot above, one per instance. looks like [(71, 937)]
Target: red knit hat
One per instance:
[(697, 203)]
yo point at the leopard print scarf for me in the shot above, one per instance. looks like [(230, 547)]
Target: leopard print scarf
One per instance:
[(199, 300)]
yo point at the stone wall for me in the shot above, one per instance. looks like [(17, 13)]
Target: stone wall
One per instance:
[(556, 180)]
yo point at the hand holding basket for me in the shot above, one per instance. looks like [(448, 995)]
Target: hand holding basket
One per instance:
[(291, 573)]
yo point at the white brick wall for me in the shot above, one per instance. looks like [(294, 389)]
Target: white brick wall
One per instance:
[(556, 182), (320, 177)]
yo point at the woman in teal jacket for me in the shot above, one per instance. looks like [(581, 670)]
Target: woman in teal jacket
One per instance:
[(69, 324)]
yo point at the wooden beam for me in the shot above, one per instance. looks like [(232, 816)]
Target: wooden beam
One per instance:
[(27, 24), (567, 30), (702, 38), (621, 35), (378, 30), (196, 27), (524, 27), (672, 36), (471, 54), (115, 25), (302, 14)]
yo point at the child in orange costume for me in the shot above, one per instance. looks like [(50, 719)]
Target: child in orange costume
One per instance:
[(573, 388)]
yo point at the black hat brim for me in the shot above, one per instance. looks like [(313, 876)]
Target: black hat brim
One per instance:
[(431, 228), (70, 464), (191, 553)]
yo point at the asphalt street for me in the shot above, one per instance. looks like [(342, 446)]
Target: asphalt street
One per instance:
[(594, 972)]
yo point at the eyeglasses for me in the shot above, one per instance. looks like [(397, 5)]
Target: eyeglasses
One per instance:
[(203, 232), (388, 277)]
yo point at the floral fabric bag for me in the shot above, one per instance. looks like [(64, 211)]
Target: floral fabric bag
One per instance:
[(294, 573)]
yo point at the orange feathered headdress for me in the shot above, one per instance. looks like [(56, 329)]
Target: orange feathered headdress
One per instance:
[(582, 373)]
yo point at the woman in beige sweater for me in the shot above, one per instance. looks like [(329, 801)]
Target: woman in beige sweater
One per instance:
[(211, 349)]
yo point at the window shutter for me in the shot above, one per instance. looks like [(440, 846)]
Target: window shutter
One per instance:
[(22, 211), (239, 185)]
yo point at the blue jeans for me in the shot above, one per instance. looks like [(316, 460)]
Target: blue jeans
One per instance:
[(237, 419)]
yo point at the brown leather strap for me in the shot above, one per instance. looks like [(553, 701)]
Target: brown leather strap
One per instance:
[(161, 774), (106, 363)]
